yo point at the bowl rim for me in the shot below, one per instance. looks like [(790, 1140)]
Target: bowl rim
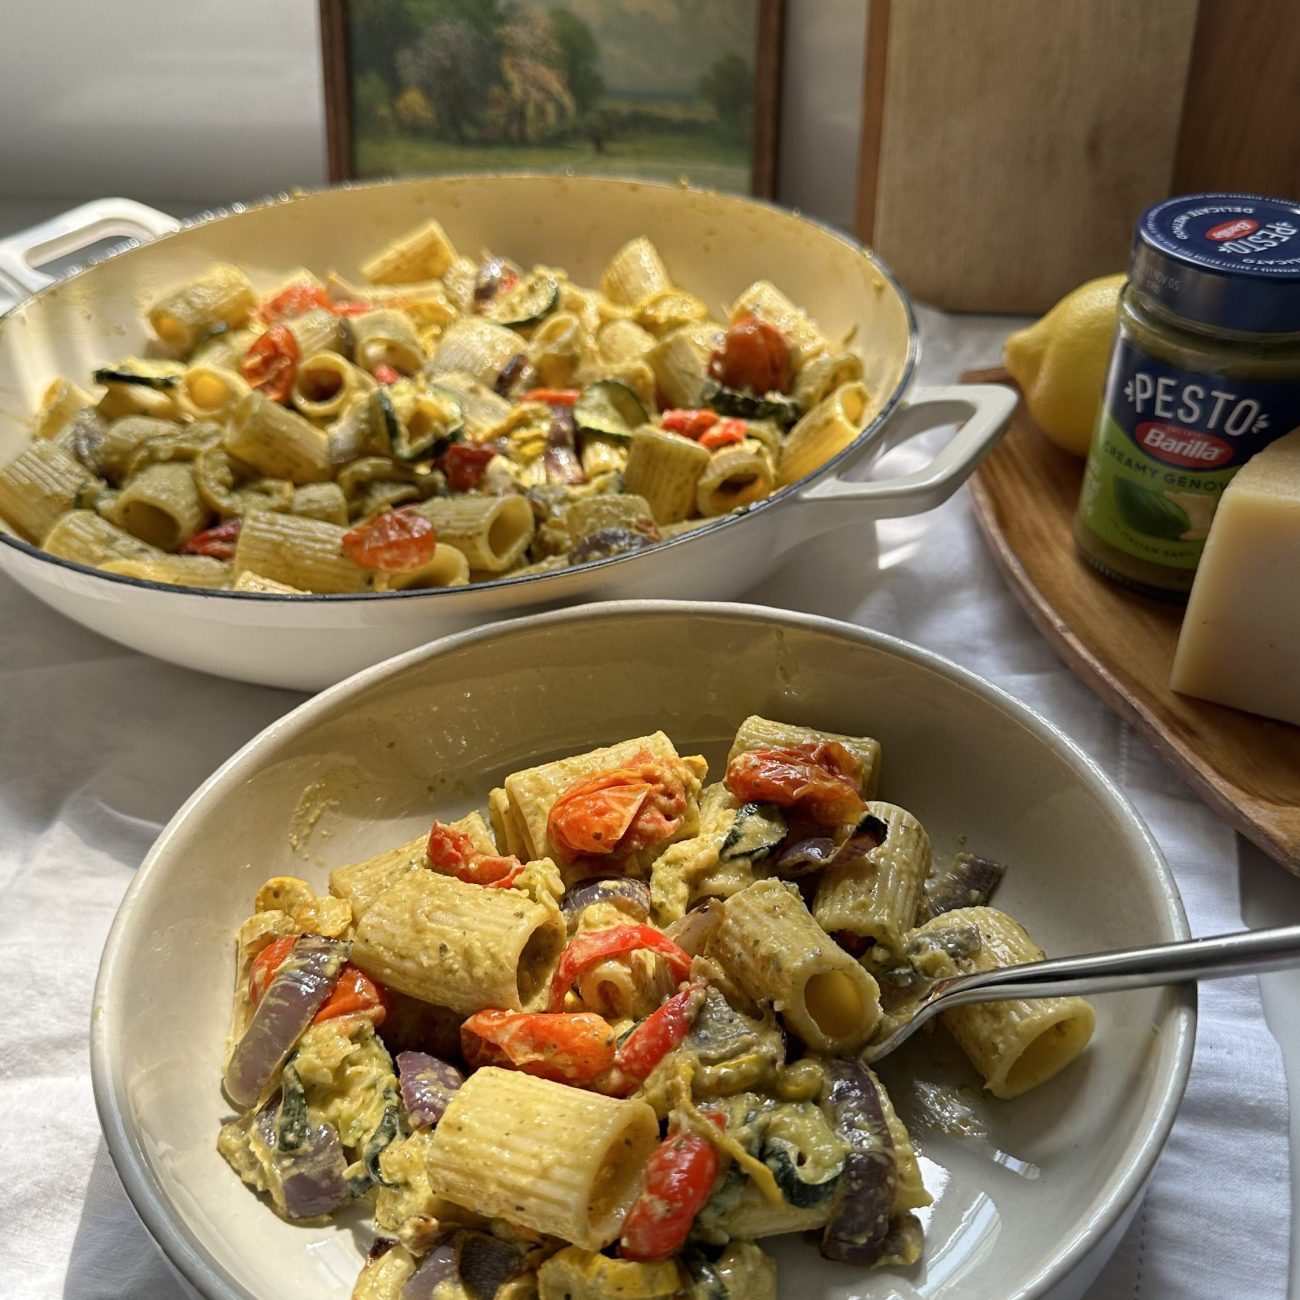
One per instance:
[(185, 1251), (304, 194)]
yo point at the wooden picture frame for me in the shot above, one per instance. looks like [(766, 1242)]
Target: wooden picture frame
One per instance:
[(352, 155)]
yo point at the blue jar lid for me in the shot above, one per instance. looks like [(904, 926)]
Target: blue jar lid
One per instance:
[(1228, 260)]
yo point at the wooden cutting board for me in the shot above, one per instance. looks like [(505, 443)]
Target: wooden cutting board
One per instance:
[(1122, 645)]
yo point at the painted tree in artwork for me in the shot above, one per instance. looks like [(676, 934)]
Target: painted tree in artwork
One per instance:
[(454, 63), (728, 86)]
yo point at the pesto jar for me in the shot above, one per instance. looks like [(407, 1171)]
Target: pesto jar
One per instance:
[(1205, 371)]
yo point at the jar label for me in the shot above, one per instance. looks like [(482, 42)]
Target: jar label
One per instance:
[(1167, 443)]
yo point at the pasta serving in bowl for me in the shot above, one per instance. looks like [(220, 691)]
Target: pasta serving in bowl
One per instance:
[(536, 998), (284, 443)]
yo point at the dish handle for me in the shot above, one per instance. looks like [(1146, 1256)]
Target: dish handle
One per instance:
[(981, 412), (77, 229)]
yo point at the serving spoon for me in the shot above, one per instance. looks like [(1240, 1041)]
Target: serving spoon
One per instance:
[(1246, 952)]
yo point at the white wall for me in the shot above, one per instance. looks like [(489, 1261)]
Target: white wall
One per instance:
[(189, 103)]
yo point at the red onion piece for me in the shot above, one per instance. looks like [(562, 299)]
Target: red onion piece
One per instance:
[(859, 1226), (312, 1176), (298, 990), (805, 857), (630, 896), (693, 931), (437, 1267), (427, 1086)]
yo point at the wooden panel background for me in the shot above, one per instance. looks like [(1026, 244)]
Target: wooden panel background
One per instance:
[(1017, 140)]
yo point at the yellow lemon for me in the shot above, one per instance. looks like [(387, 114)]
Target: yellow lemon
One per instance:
[(1060, 361)]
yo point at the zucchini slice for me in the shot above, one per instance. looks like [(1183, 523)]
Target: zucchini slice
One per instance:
[(532, 299), (160, 381), (804, 1154), (750, 406), (610, 408), (756, 834)]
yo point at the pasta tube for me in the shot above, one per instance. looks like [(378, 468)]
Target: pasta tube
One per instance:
[(38, 487), (634, 274), (161, 505), (320, 501), (209, 392), (222, 295), (176, 570), (84, 537), (665, 469), (62, 400), (315, 331), (876, 894), (735, 476), (301, 553), (680, 362), (424, 253), (448, 568), (278, 442), (491, 532), (250, 581), (1014, 1045), (764, 300), (824, 432), (459, 945), (541, 1155), (556, 349), (475, 347), (387, 337), (769, 941)]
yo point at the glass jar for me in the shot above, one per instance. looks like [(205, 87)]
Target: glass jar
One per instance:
[(1205, 371)]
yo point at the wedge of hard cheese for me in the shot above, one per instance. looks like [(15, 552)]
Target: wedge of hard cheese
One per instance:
[(1240, 643)]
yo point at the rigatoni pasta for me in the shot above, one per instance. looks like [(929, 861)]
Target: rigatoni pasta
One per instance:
[(455, 402), (601, 1103)]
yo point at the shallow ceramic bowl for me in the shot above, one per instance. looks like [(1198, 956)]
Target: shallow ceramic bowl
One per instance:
[(1027, 1209), (714, 244)]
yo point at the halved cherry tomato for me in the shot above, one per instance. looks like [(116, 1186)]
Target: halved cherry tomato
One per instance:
[(453, 853), (822, 780), (394, 542), (727, 433), (552, 396), (689, 423), (570, 1049), (217, 542), (677, 1181), (356, 308), (265, 964), (355, 994), (661, 1032), (385, 374), (754, 356), (271, 362), (464, 463), (594, 946), (508, 880), (296, 300), (621, 809)]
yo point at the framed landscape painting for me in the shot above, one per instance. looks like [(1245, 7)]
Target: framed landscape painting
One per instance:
[(660, 89)]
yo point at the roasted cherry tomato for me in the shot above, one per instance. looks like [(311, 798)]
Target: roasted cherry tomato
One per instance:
[(621, 809), (822, 780), (272, 362), (356, 308), (661, 1032), (689, 423), (755, 357), (571, 1049), (394, 542), (551, 396), (218, 542), (594, 946), (678, 1179), (464, 462), (385, 374), (296, 300), (355, 994), (453, 853), (726, 433)]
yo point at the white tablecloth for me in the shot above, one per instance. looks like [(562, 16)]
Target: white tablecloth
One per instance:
[(99, 746)]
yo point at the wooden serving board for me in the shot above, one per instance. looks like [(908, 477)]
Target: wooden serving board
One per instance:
[(1245, 767)]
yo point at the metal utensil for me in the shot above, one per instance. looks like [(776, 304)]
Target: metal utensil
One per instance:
[(1244, 953)]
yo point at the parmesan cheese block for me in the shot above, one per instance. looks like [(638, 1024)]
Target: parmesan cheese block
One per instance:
[(1240, 643)]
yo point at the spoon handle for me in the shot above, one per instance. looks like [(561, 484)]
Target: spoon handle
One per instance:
[(1247, 952)]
